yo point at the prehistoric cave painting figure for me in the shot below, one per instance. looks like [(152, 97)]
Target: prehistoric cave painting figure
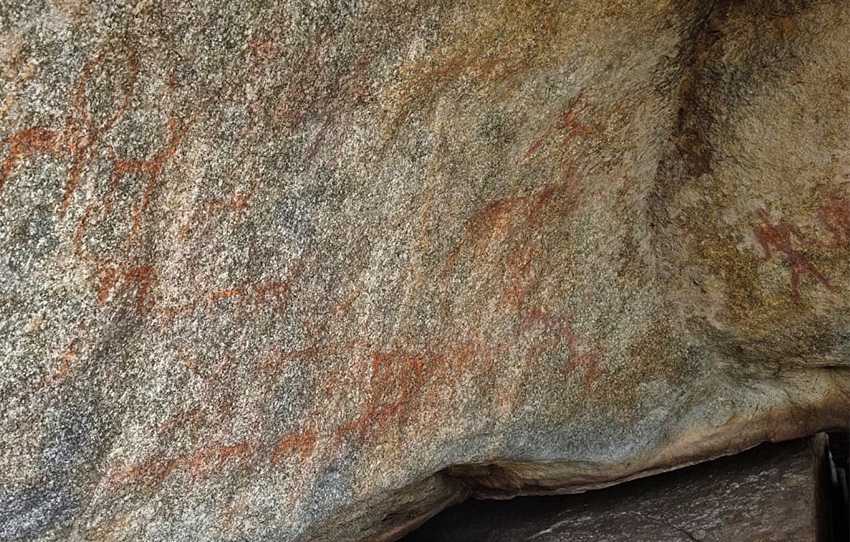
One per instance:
[(126, 273), (80, 138), (150, 168), (509, 223), (213, 459), (114, 279), (521, 276), (65, 366), (567, 125), (300, 444), (83, 134), (79, 141), (401, 387), (199, 464), (309, 96), (559, 329), (396, 376), (26, 144), (779, 237)]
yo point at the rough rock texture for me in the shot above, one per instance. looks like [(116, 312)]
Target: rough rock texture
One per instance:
[(314, 270), (773, 493)]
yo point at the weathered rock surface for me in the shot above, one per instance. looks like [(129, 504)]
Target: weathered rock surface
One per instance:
[(314, 270), (774, 493)]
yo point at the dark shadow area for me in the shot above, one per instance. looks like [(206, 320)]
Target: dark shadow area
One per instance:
[(836, 506), (789, 491)]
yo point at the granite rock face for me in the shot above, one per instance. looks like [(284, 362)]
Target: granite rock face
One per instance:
[(314, 270)]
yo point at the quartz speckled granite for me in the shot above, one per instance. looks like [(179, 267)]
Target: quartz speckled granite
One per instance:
[(313, 270)]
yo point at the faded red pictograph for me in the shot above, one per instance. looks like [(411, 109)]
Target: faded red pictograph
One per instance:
[(778, 237), (400, 387), (199, 464), (299, 444), (272, 292), (567, 126), (69, 362), (25, 144), (395, 378), (83, 134), (559, 329), (503, 219), (510, 225), (80, 142), (149, 169), (114, 279)]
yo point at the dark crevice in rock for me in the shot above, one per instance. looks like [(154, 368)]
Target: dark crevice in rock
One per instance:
[(693, 116), (834, 520), (508, 479), (776, 491), (689, 152)]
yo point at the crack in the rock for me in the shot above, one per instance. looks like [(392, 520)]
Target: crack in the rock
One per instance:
[(690, 153)]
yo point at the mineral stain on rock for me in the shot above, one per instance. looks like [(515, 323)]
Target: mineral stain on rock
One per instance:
[(315, 271)]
